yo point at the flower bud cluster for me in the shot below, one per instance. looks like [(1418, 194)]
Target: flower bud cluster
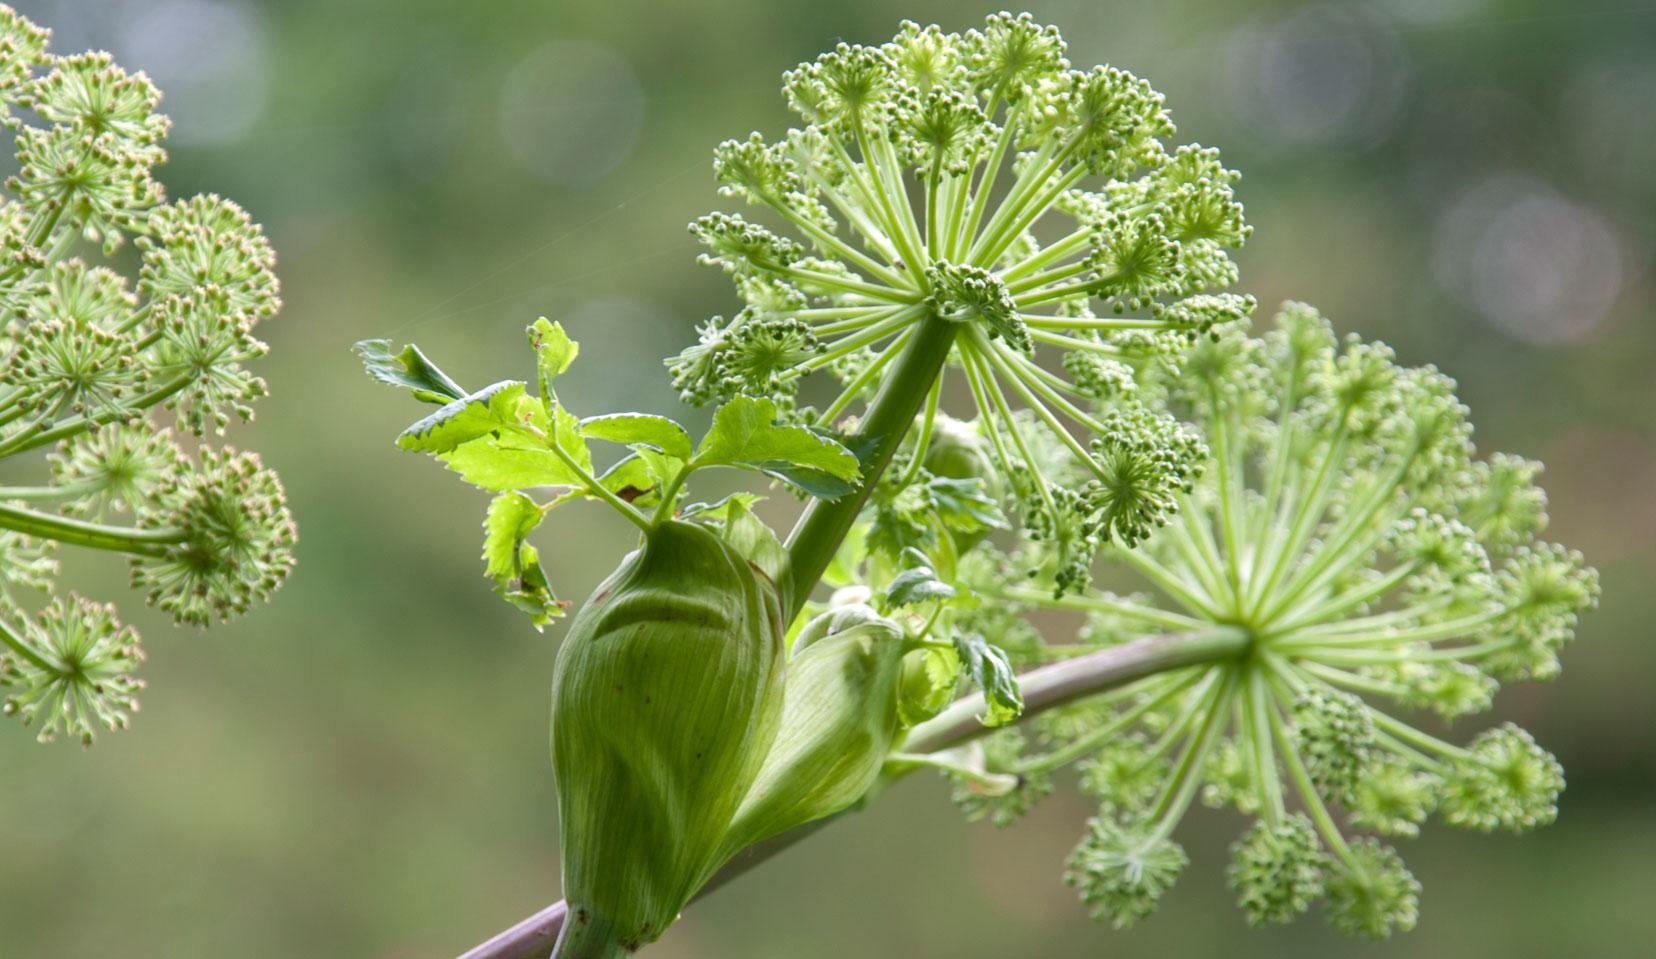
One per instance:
[(911, 196), (96, 365), (1336, 521), (77, 676)]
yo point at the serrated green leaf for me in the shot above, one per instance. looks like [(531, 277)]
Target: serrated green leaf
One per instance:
[(515, 454), (409, 370), (928, 684), (649, 429), (554, 352), (486, 462), (514, 564), (992, 672), (963, 505), (511, 518), (491, 408), (919, 583), (745, 433)]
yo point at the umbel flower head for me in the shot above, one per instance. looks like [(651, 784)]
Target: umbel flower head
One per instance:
[(1353, 561), (73, 673), (96, 364), (980, 181), (229, 541)]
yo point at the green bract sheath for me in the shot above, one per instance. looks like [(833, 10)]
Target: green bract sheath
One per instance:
[(666, 696), (839, 717)]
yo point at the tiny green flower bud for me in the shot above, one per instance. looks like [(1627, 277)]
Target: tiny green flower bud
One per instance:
[(1335, 738), (78, 675), (1506, 782), (1277, 871), (1122, 870), (1372, 893), (1392, 798), (957, 450)]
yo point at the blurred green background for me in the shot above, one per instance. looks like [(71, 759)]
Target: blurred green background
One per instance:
[(360, 769)]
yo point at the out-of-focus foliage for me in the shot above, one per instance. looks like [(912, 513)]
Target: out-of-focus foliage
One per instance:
[(101, 370), (358, 773)]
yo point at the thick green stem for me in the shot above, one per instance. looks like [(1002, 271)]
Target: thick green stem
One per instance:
[(817, 537), (1062, 683), (81, 533)]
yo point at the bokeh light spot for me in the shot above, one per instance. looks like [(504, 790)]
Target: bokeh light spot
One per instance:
[(1323, 74), (1536, 266)]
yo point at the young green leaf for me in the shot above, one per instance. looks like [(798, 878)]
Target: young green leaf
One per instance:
[(499, 466), (992, 672), (930, 675), (745, 434), (410, 370), (917, 584), (514, 564), (811, 482), (648, 429), (963, 504), (489, 409), (554, 352), (749, 535), (531, 592)]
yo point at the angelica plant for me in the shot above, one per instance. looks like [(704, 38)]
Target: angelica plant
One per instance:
[(967, 215), (99, 374)]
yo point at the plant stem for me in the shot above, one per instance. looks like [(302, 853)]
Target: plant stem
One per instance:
[(590, 936), (147, 542), (1062, 683), (597, 489), (817, 536), (1047, 687), (76, 425), (18, 645)]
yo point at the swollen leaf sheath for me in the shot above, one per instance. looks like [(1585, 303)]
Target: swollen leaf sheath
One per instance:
[(666, 697), (839, 718)]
